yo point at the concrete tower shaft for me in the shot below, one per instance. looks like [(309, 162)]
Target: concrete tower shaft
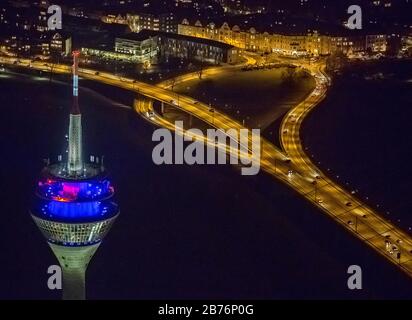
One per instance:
[(74, 262)]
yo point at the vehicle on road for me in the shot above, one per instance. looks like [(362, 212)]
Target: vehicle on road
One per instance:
[(348, 204)]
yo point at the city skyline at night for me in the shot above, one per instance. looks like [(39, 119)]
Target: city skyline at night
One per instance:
[(257, 149)]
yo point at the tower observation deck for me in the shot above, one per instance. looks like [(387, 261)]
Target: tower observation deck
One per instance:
[(73, 206)]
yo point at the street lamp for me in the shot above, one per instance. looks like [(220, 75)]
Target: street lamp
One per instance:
[(244, 121), (315, 184), (212, 111), (356, 224)]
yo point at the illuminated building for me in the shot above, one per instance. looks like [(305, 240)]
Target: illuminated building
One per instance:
[(161, 21), (376, 43), (60, 44), (175, 45), (74, 207), (165, 22), (140, 45), (192, 48), (309, 43), (239, 7), (149, 46)]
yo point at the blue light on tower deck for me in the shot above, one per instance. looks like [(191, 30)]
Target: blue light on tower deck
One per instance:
[(76, 211), (64, 200)]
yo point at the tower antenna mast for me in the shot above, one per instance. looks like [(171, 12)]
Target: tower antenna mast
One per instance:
[(75, 162)]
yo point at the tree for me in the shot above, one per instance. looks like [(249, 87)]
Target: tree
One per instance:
[(288, 75), (336, 60), (172, 83), (200, 72), (265, 57)]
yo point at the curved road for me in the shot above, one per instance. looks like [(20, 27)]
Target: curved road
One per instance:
[(340, 204)]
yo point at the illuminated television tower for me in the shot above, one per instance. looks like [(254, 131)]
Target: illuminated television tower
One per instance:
[(74, 207)]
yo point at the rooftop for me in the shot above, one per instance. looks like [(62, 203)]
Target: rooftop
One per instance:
[(146, 34)]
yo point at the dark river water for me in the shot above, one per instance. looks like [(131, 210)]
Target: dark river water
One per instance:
[(183, 232), (362, 134)]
